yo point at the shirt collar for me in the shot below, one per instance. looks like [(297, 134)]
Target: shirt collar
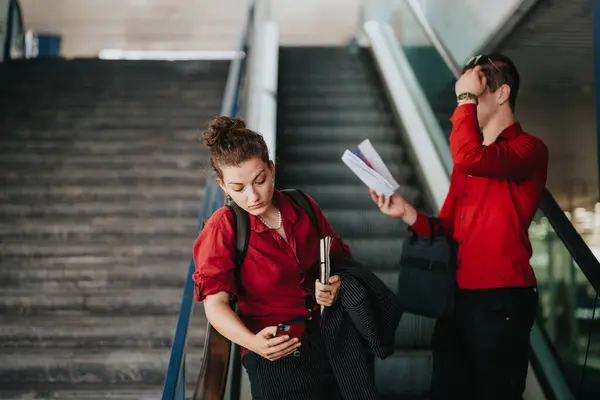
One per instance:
[(288, 212), (511, 132)]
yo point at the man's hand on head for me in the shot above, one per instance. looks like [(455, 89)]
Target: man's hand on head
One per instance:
[(472, 81)]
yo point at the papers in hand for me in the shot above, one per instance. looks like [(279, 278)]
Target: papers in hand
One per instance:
[(325, 246), (366, 163)]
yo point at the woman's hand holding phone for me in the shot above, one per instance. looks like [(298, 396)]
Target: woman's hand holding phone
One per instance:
[(266, 344)]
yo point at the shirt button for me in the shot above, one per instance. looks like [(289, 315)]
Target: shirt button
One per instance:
[(462, 217), (465, 195), (278, 237)]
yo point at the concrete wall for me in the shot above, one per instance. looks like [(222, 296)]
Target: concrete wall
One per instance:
[(89, 26)]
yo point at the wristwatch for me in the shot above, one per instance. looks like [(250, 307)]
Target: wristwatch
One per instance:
[(466, 96)]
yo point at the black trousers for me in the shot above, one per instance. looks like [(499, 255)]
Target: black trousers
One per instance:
[(306, 377), (482, 351)]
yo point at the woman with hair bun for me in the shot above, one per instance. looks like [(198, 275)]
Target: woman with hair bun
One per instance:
[(278, 279)]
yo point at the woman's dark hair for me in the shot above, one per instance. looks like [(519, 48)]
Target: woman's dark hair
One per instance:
[(230, 143)]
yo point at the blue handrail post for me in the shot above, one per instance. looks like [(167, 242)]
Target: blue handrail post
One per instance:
[(181, 385)]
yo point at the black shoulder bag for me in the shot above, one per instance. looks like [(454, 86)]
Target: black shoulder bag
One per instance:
[(427, 281)]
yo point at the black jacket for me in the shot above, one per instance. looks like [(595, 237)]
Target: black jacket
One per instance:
[(360, 325)]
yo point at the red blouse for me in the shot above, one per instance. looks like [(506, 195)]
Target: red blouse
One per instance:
[(277, 277)]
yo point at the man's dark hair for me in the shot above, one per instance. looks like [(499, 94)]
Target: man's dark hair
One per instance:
[(499, 70)]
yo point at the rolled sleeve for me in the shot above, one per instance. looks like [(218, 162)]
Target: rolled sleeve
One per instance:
[(214, 257)]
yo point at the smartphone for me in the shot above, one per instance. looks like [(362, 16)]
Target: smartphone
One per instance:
[(293, 329)]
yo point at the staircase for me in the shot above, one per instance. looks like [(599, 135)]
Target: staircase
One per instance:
[(101, 183), (331, 99)]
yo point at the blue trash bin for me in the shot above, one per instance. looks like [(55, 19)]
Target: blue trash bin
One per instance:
[(48, 45)]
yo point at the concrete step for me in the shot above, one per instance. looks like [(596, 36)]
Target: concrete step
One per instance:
[(61, 391), (110, 196), (163, 147), (80, 367), (99, 228), (102, 210), (136, 175), (72, 134), (92, 301), (181, 160), (122, 274), (178, 249), (104, 332)]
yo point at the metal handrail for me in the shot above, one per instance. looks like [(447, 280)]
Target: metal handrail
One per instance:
[(433, 36), (174, 386)]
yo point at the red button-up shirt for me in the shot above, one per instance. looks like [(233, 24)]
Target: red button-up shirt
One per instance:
[(276, 276), (493, 196)]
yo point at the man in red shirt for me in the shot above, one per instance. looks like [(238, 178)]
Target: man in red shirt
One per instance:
[(499, 174)]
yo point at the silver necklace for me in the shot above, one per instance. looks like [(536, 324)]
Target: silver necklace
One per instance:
[(269, 226)]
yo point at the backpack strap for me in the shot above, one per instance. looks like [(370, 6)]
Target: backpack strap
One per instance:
[(241, 227), (301, 200)]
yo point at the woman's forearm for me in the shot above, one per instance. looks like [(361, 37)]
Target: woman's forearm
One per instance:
[(227, 323)]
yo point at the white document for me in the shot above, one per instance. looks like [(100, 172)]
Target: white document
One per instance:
[(376, 176)]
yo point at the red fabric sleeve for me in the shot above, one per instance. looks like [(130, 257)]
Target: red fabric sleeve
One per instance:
[(214, 256), (512, 159)]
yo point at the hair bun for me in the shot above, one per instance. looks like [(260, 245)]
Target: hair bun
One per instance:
[(220, 127)]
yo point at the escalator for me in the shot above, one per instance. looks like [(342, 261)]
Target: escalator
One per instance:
[(331, 99)]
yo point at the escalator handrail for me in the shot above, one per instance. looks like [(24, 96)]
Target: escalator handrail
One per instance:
[(433, 36), (213, 199), (579, 250)]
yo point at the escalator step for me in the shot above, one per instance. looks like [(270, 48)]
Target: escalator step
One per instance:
[(333, 152), (338, 117), (330, 100), (355, 197), (404, 373), (372, 223), (331, 173), (294, 135)]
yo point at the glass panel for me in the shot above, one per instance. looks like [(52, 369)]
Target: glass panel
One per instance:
[(17, 45), (434, 76), (569, 312)]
